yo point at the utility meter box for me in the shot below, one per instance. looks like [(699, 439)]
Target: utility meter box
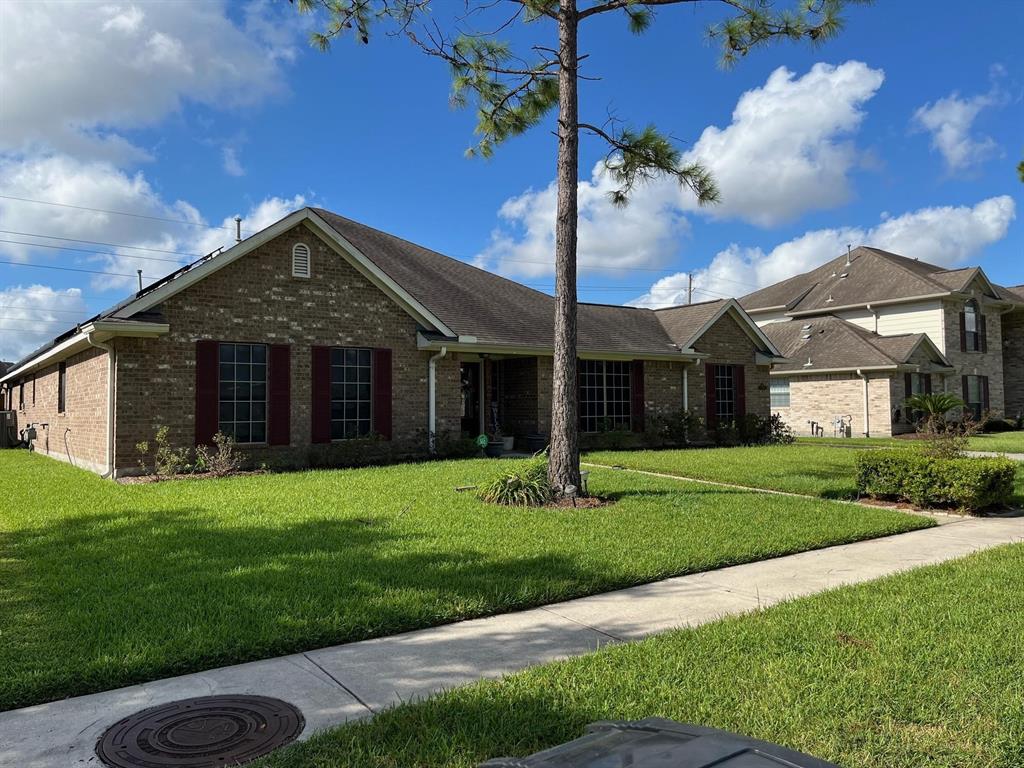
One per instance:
[(659, 743)]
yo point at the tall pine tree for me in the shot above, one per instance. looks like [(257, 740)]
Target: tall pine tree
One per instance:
[(514, 91)]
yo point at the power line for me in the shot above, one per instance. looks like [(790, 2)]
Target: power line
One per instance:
[(69, 269), (116, 213), (88, 250), (37, 308), (96, 242)]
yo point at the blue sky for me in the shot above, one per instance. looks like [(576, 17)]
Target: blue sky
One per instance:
[(904, 133)]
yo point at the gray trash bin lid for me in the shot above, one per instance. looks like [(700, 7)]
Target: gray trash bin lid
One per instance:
[(659, 743)]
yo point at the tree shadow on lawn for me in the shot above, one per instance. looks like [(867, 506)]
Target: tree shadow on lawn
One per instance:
[(108, 600)]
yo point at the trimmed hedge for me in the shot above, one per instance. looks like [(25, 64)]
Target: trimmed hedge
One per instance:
[(969, 484)]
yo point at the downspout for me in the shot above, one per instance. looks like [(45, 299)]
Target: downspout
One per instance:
[(874, 313), (111, 389), (867, 407), (686, 388), (432, 399)]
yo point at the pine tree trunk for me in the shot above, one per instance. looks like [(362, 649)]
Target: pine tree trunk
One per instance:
[(564, 454)]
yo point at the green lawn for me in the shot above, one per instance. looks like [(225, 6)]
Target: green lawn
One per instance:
[(103, 585), (919, 669), (1002, 442), (813, 469)]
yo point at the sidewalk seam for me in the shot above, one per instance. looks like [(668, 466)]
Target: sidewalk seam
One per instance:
[(340, 684)]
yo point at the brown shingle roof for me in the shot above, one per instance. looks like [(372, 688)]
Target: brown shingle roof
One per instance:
[(873, 275), (474, 302), (682, 322), (834, 343)]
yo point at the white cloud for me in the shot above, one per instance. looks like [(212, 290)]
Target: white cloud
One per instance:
[(100, 185), (646, 232), (785, 151), (73, 75), (232, 165), (31, 315), (950, 122), (781, 156), (945, 235)]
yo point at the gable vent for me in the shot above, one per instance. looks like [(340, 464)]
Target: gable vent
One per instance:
[(300, 260)]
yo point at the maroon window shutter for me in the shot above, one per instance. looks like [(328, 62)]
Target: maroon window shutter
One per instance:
[(320, 429), (928, 384), (963, 384), (983, 328), (382, 392), (963, 331), (984, 394), (908, 386), (709, 394), (638, 401), (739, 383), (207, 391), (279, 392)]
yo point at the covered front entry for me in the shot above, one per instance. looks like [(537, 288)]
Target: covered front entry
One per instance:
[(471, 378)]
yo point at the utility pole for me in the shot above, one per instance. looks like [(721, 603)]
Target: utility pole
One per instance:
[(689, 288)]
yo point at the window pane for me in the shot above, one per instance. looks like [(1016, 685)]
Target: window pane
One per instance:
[(259, 432), (227, 353), (259, 353)]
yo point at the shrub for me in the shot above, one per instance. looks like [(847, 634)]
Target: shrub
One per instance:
[(524, 484), (999, 425), (358, 452), (223, 459), (967, 484), (167, 462)]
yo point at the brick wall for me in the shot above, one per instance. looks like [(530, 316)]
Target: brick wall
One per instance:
[(519, 395), (256, 299), (1013, 362), (663, 387), (823, 397), (78, 435), (976, 363), (728, 344)]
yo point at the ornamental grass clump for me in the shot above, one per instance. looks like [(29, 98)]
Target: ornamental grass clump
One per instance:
[(524, 484)]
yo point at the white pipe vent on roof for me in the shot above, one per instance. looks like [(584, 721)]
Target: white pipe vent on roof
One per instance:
[(300, 260)]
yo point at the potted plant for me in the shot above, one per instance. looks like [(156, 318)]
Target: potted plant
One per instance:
[(495, 446)]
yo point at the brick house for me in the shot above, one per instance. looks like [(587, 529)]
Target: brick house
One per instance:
[(319, 330), (867, 329)]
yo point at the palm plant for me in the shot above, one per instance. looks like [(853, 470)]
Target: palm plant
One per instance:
[(934, 404)]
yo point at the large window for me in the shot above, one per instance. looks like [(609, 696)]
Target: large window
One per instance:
[(972, 325), (604, 395), (974, 394), (920, 384), (725, 394), (62, 387), (351, 393), (243, 392), (780, 393)]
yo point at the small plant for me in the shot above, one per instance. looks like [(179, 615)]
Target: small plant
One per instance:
[(944, 437), (777, 432), (167, 461), (223, 459), (523, 485)]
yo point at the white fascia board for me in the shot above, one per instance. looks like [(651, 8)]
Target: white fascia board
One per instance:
[(854, 369), (745, 321), (864, 305), (351, 254), (101, 331)]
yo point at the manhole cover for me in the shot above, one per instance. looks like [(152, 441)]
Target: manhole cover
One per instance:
[(206, 732)]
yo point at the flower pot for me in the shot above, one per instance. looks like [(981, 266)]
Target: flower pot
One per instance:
[(494, 449), (509, 443)]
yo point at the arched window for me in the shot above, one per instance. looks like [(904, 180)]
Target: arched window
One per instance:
[(972, 325), (300, 260)]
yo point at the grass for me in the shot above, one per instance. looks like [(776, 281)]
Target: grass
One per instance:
[(919, 669), (813, 469), (103, 585), (1000, 442)]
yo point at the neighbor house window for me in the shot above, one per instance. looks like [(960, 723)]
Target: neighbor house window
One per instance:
[(604, 395), (300, 260), (780, 393), (975, 395), (724, 383), (243, 392), (62, 387), (972, 325), (351, 393)]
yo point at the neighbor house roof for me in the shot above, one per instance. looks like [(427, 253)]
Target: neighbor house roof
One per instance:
[(452, 300), (867, 275), (827, 343)]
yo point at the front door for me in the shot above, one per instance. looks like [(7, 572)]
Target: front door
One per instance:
[(470, 375)]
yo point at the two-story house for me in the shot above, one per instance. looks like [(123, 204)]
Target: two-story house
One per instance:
[(867, 329)]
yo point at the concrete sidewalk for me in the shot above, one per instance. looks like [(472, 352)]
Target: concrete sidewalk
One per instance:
[(994, 455), (332, 685)]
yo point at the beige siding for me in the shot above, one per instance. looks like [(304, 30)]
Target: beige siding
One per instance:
[(896, 319), (770, 317)]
